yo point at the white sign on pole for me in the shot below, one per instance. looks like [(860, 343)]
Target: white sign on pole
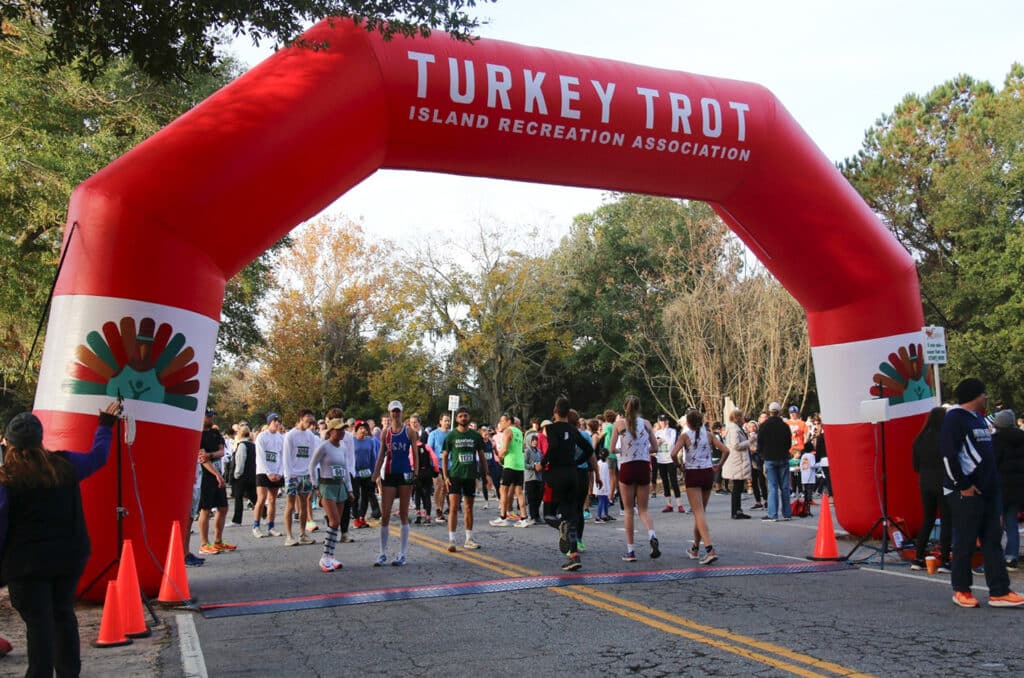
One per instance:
[(453, 402), (934, 345)]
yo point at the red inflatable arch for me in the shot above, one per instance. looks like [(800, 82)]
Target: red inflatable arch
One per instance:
[(160, 230)]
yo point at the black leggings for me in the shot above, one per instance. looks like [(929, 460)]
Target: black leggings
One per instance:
[(240, 489), (582, 488), (669, 479), (534, 494), (423, 492), (737, 494), (760, 485), (932, 502), (47, 606), (564, 487), (367, 493)]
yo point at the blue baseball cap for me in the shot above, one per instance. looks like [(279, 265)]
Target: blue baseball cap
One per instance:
[(272, 416)]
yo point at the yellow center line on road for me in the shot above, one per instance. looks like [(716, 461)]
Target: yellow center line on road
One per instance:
[(658, 619)]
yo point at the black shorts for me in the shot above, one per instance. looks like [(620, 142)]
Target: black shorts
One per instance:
[(398, 479), (464, 486), (263, 481), (510, 477), (211, 496)]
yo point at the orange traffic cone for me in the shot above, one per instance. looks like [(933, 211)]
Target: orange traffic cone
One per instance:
[(132, 616), (111, 628), (174, 585), (825, 547)]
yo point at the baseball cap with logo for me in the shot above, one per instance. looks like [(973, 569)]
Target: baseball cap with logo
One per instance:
[(793, 408), (394, 405)]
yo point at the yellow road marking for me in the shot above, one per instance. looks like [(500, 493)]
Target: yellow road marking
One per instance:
[(659, 619)]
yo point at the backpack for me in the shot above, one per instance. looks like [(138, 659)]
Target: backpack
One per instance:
[(800, 508)]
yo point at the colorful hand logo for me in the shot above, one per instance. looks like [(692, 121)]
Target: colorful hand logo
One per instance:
[(905, 378)]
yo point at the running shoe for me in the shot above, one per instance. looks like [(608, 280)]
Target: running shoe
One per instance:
[(580, 546), (945, 567), (234, 524), (681, 509), (630, 557), (399, 561), (978, 571), (521, 523), (1012, 565), (608, 518), (221, 546), (192, 561), (360, 524), (514, 517), (258, 533), (1011, 599), (311, 526), (418, 521), (426, 521), (655, 551), (381, 560), (966, 599), (451, 547), (758, 505), (336, 563), (586, 515), (709, 556), (209, 550), (325, 564), (572, 564), (564, 543), (470, 544), (667, 509), (917, 564), (345, 539), (693, 552), (500, 522), (291, 541), (273, 533), (305, 539), (599, 519)]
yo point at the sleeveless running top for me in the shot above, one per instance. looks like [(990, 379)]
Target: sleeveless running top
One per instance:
[(514, 454), (398, 449), (638, 448), (698, 455)]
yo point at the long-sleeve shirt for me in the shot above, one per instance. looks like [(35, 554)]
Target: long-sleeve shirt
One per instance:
[(270, 454), (365, 457), (331, 462), (299, 445)]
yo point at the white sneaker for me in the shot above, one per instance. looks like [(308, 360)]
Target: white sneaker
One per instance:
[(306, 539), (470, 544), (273, 533), (256, 532), (325, 564), (291, 541), (335, 563), (525, 522), (500, 522)]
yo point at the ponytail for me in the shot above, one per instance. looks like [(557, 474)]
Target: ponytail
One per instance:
[(632, 408), (696, 422)]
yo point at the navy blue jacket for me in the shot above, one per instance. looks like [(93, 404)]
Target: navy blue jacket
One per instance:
[(967, 453)]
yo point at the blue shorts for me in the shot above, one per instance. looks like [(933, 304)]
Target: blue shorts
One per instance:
[(298, 485)]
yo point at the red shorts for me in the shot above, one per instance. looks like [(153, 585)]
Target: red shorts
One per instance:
[(635, 473), (704, 478)]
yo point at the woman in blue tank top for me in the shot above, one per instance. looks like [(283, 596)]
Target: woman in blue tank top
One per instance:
[(396, 474)]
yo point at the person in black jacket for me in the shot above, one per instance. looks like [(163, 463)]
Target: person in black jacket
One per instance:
[(43, 538), (1008, 441), (773, 441), (972, 481), (927, 460)]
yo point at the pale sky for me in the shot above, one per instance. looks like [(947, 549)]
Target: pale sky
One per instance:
[(836, 66)]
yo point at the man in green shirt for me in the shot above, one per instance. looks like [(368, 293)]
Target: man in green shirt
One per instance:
[(462, 450), (509, 448)]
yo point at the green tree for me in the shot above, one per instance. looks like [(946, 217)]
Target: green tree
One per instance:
[(172, 40), (945, 172), (55, 131)]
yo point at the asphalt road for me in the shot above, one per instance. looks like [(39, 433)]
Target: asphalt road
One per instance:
[(752, 620)]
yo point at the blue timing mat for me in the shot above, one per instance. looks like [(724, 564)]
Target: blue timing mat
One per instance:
[(218, 610)]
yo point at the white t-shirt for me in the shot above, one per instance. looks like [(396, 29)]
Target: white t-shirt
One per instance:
[(698, 455), (666, 441), (269, 457), (808, 476), (635, 449), (602, 473), (299, 446)]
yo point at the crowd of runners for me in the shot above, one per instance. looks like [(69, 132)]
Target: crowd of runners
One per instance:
[(563, 472)]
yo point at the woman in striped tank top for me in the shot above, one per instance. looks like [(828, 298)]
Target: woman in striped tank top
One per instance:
[(396, 473)]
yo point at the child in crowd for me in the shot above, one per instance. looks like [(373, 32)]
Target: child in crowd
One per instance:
[(603, 501), (808, 472)]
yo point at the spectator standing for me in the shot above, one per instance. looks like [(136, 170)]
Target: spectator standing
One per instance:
[(243, 481), (927, 460), (757, 481), (736, 467), (773, 441), (1008, 442)]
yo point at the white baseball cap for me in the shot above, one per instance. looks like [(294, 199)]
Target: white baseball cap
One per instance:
[(775, 407), (394, 405)]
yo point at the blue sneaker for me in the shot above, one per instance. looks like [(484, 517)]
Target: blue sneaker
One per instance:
[(381, 560), (193, 560), (399, 561), (586, 515)]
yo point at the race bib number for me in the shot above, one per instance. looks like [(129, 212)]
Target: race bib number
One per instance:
[(338, 471), (270, 456), (663, 447), (302, 452), (365, 473), (466, 458), (408, 477)]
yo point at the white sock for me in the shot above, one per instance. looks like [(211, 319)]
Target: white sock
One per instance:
[(469, 535), (650, 534), (629, 547), (405, 540), (383, 540), (451, 537)]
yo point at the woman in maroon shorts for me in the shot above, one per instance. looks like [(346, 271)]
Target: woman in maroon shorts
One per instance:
[(699, 474), (634, 442)]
